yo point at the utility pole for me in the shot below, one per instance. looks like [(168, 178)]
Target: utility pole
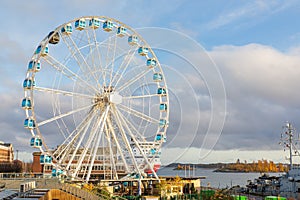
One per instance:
[(17, 154)]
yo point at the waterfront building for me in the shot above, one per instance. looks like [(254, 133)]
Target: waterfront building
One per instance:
[(173, 186), (6, 152), (101, 168)]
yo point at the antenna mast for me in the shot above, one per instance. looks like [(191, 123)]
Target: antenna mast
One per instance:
[(288, 141)]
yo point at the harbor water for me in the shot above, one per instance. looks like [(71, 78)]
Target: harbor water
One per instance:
[(214, 179)]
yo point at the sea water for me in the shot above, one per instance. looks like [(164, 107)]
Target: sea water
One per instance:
[(214, 179)]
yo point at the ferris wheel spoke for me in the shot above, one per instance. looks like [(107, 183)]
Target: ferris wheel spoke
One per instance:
[(99, 57), (112, 59), (95, 65), (138, 114), (61, 68), (102, 122), (74, 52), (141, 136), (134, 79), (63, 92), (125, 63), (63, 115), (136, 143), (141, 96), (125, 139), (76, 49)]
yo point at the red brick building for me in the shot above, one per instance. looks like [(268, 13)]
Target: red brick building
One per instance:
[(36, 166)]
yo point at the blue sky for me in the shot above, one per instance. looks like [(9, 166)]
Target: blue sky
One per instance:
[(254, 44)]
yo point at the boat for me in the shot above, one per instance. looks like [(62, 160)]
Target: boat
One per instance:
[(152, 151)]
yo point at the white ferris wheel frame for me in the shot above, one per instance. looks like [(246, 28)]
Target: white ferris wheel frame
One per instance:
[(104, 125)]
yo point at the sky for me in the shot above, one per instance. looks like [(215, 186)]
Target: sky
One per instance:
[(232, 69)]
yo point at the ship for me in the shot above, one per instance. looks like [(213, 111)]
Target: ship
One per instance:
[(149, 150)]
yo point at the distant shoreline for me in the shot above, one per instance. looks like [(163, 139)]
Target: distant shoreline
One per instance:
[(259, 167)]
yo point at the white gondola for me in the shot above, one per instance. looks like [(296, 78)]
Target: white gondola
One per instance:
[(157, 77), (162, 122), (29, 123), (45, 159), (151, 62), (56, 172), (162, 91), (163, 107), (121, 31), (80, 24), (67, 29), (133, 40), (36, 142), (160, 137), (42, 50), (143, 51), (26, 104), (152, 151), (108, 25), (28, 83), (34, 66), (94, 23)]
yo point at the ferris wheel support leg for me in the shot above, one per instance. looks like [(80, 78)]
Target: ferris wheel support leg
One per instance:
[(117, 143), (102, 120), (125, 139), (138, 145), (84, 153)]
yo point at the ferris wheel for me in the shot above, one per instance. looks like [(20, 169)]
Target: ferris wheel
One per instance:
[(96, 101)]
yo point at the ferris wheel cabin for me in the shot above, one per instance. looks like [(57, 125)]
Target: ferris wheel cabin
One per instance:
[(29, 123), (36, 142), (162, 91), (151, 62), (121, 31), (26, 104), (67, 29), (133, 40), (45, 159), (28, 83), (94, 23), (162, 122), (157, 77), (53, 37), (108, 25), (163, 107), (80, 24), (143, 51), (160, 136), (42, 50), (56, 172), (34, 66)]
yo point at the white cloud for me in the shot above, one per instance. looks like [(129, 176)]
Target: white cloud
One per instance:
[(253, 11), (259, 71)]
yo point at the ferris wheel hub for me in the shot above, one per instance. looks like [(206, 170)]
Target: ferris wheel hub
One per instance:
[(115, 98), (108, 96)]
